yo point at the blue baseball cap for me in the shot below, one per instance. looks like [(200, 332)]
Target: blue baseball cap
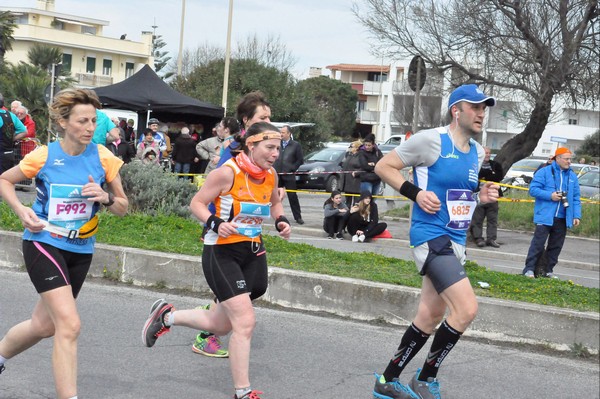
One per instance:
[(471, 94)]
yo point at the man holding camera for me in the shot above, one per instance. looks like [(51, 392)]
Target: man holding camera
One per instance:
[(557, 207)]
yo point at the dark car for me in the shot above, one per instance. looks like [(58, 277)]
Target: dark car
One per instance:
[(589, 185), (322, 168)]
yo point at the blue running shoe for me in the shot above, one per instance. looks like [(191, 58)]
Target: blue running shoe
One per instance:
[(391, 390), (425, 390)]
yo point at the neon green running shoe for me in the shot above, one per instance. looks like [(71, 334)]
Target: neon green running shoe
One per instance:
[(210, 346)]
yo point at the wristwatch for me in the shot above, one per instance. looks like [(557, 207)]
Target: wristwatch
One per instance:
[(111, 200)]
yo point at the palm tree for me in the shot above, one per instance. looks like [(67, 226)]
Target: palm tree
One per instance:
[(7, 27), (28, 83), (44, 56)]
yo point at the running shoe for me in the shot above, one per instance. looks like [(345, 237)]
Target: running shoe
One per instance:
[(154, 326), (425, 390), (250, 395), (355, 238), (551, 275), (210, 346), (2, 368), (361, 238), (204, 307), (529, 274), (392, 390), (339, 236), (207, 343)]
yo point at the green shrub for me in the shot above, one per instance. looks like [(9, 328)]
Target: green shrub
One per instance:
[(153, 191)]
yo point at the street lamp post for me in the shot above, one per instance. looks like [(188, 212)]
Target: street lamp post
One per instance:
[(227, 56), (180, 56)]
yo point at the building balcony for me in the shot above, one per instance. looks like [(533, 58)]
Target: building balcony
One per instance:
[(65, 39), (90, 79), (371, 88), (368, 117)]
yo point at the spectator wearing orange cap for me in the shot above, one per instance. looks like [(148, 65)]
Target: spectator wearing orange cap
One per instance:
[(557, 207)]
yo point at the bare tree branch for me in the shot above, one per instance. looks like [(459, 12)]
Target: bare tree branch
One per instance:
[(531, 52)]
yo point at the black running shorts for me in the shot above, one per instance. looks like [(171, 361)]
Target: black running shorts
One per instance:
[(50, 267), (234, 269)]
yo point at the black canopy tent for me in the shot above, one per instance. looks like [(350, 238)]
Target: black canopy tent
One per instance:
[(145, 92)]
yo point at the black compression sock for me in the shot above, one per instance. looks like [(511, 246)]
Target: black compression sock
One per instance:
[(445, 339), (412, 341)]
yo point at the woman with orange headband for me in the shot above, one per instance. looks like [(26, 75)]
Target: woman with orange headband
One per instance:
[(244, 191)]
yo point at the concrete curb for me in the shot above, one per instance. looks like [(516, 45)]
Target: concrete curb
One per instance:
[(497, 320)]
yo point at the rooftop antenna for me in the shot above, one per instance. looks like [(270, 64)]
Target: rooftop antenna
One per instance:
[(154, 27)]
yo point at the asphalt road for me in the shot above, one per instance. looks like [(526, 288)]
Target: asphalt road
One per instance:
[(294, 355)]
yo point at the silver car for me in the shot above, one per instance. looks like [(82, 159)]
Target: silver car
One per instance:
[(589, 185)]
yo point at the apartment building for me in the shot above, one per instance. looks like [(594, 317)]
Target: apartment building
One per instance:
[(386, 107), (372, 84), (570, 130), (386, 103), (92, 59)]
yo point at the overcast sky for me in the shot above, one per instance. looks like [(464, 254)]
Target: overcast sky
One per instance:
[(316, 32)]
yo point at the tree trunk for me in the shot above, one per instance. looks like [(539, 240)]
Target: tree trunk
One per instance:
[(522, 145)]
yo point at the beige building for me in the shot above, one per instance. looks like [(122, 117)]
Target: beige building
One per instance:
[(92, 59), (386, 103), (385, 107)]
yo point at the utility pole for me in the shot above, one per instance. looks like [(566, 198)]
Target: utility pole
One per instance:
[(180, 56), (227, 57)]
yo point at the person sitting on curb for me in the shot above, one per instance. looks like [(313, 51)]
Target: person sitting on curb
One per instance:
[(336, 214), (363, 223)]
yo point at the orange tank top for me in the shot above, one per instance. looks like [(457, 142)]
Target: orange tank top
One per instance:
[(246, 203)]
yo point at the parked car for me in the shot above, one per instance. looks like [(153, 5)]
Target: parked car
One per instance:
[(581, 168), (524, 167), (395, 139), (521, 173), (589, 185), (322, 169), (385, 148)]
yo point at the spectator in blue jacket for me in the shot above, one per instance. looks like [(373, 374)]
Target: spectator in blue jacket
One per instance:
[(557, 207)]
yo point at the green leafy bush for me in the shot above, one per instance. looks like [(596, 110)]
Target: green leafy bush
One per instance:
[(153, 191)]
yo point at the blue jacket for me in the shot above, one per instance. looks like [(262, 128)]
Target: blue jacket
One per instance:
[(548, 180)]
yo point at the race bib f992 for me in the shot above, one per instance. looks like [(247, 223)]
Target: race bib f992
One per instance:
[(67, 207)]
